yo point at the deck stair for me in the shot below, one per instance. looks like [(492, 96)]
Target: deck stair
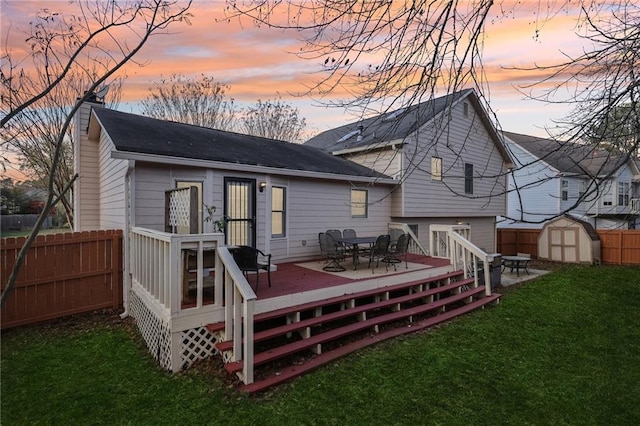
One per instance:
[(292, 341)]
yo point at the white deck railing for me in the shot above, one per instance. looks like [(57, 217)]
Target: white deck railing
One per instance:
[(414, 245), (451, 241), (157, 269)]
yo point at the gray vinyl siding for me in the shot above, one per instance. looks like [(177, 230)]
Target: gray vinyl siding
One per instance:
[(483, 229), (456, 141), (111, 187), (315, 206)]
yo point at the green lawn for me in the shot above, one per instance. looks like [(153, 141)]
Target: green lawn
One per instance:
[(564, 349)]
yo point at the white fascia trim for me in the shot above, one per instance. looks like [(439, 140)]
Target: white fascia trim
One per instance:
[(378, 145), (208, 164)]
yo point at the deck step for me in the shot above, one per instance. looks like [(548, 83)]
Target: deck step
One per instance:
[(344, 298), (337, 333), (291, 372), (345, 313)]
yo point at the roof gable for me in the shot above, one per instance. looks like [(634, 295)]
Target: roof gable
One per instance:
[(388, 127), (568, 157), (393, 127), (131, 133)]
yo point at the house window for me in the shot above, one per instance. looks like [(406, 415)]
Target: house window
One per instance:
[(623, 193), (468, 178), (278, 211), (565, 190), (607, 196), (465, 109), (359, 203), (582, 190), (436, 168)]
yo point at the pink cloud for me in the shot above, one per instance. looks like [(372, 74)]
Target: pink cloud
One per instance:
[(258, 63)]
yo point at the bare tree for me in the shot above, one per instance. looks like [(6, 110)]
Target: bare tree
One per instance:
[(202, 102), (273, 119), (386, 55), (108, 34), (31, 136)]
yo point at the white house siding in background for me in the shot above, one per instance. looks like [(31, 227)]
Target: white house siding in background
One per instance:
[(541, 188), (537, 191)]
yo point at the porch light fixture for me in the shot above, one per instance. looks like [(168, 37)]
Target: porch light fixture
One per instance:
[(262, 186)]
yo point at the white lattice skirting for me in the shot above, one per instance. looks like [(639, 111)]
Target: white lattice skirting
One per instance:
[(194, 344)]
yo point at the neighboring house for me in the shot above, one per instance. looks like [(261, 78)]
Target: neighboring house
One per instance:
[(550, 179), (446, 157)]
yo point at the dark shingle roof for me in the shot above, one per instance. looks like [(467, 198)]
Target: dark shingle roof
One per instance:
[(569, 157), (391, 126), (144, 135)]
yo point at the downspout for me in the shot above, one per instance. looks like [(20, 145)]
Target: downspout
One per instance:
[(125, 241)]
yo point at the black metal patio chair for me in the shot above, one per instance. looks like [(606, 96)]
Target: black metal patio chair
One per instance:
[(330, 250), (397, 252), (379, 250), (250, 259)]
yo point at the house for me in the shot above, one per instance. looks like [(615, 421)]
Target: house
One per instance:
[(449, 163), (551, 178), (442, 164)]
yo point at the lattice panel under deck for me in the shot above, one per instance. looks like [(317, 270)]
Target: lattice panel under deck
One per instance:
[(180, 208), (197, 343), (155, 333)]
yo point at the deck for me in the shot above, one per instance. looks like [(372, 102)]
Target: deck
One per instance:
[(175, 302)]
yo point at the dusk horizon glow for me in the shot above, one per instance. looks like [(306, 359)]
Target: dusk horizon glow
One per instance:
[(259, 63)]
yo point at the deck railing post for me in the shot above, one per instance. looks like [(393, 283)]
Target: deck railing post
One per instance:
[(248, 342)]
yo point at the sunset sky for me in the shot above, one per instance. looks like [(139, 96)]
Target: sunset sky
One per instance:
[(257, 63)]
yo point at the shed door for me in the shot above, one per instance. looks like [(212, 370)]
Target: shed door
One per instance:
[(563, 244), (240, 211)]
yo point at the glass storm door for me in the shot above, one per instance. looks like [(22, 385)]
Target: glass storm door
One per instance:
[(240, 211)]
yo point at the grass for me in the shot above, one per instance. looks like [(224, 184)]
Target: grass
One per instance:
[(564, 349)]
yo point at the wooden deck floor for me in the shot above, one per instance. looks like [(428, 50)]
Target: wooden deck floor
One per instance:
[(292, 283), (292, 278)]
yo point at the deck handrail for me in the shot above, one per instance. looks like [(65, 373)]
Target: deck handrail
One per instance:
[(412, 237), (462, 253), (239, 306)]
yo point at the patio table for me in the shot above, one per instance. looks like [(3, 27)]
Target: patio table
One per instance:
[(516, 262), (355, 242)]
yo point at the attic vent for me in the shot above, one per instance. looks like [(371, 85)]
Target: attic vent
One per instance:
[(392, 116), (349, 136)]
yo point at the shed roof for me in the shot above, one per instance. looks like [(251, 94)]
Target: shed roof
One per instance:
[(131, 133)]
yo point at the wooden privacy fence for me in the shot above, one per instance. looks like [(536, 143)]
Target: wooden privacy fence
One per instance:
[(63, 274), (619, 247), (512, 241)]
